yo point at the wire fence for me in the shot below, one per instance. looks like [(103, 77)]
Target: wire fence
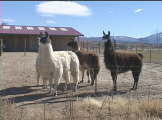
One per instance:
[(18, 84), (151, 52)]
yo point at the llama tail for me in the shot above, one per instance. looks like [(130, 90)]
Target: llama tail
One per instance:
[(141, 55), (96, 65)]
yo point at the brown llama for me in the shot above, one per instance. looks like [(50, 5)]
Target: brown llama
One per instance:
[(121, 62), (88, 61)]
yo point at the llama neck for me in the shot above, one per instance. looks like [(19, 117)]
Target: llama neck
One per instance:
[(108, 51), (75, 50), (45, 51)]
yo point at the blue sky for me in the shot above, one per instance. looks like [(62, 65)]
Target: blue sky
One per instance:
[(122, 18)]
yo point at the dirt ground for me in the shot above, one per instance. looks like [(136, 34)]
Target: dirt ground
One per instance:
[(18, 81)]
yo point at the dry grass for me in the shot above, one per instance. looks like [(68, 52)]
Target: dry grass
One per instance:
[(105, 108), (119, 108)]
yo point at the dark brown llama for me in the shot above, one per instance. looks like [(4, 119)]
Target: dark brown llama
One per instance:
[(88, 61), (121, 62)]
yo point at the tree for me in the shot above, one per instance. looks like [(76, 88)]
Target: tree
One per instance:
[(157, 35), (3, 23), (142, 42)]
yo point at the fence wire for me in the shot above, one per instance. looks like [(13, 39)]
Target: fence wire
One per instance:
[(18, 83)]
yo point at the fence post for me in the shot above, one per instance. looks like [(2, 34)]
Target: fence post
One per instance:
[(25, 48), (114, 45), (99, 47), (93, 48), (136, 49), (150, 52), (87, 46), (1, 47), (83, 45)]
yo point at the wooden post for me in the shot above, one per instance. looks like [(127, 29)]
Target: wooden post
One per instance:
[(136, 49), (93, 48), (114, 45), (25, 48), (150, 52), (83, 45), (1, 47), (99, 46), (87, 46)]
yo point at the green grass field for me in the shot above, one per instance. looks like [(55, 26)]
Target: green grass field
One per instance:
[(155, 56)]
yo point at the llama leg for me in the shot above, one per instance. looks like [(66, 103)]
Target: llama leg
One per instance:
[(55, 89), (75, 87), (38, 77), (57, 76), (66, 76), (51, 82), (75, 76), (88, 77), (45, 83), (92, 76), (136, 78), (82, 77), (82, 71), (114, 77)]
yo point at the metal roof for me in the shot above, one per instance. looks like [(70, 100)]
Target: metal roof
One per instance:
[(35, 30)]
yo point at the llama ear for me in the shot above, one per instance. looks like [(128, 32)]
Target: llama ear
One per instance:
[(103, 33), (46, 34), (108, 33)]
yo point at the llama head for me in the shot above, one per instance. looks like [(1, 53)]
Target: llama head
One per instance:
[(108, 43), (74, 45), (44, 38), (106, 37)]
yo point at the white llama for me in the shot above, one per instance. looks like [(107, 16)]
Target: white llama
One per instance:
[(53, 65)]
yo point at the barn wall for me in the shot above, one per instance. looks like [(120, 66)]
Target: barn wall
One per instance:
[(60, 42), (9, 42), (21, 43), (33, 43), (16, 43)]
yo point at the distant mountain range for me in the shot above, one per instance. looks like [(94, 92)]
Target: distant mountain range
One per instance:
[(150, 39)]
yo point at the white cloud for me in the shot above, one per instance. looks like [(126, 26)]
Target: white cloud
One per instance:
[(8, 20), (48, 15), (111, 12), (50, 21), (138, 10), (62, 8)]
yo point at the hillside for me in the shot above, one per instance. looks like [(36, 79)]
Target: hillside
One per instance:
[(149, 39)]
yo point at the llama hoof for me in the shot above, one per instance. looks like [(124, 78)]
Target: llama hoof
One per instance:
[(114, 89), (45, 87), (64, 91), (80, 82), (92, 84), (133, 89), (75, 90)]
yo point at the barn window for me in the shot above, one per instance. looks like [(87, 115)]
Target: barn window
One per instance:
[(41, 28), (30, 28), (18, 27), (52, 28), (6, 27), (63, 29)]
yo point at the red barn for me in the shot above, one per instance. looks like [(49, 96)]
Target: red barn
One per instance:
[(15, 38)]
